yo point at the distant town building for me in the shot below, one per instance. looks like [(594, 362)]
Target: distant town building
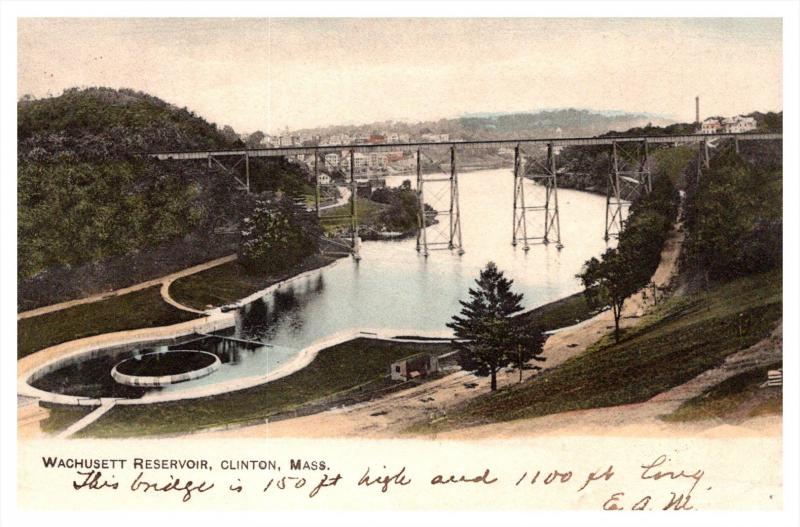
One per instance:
[(332, 161), (359, 162), (289, 140), (324, 179), (729, 125), (377, 138), (435, 138), (711, 126), (377, 160), (335, 140), (359, 139), (739, 124)]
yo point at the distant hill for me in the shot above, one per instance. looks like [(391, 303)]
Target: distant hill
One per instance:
[(609, 113), (544, 123), (566, 122)]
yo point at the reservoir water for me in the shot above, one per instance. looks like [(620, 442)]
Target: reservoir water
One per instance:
[(393, 286)]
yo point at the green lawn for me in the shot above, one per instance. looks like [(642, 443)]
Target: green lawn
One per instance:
[(367, 211), (680, 340), (561, 313), (230, 282), (139, 309), (342, 367), (736, 397)]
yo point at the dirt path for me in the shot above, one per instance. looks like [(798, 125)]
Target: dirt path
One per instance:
[(344, 197), (390, 415), (130, 289)]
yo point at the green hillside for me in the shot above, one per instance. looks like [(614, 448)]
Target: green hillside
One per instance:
[(100, 123), (92, 208)]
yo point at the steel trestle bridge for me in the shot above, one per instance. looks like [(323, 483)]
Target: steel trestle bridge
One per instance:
[(629, 176)]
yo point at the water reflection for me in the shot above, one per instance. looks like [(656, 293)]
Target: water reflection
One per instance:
[(285, 308), (395, 287)]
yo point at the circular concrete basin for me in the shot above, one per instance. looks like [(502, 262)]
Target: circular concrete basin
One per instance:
[(163, 368)]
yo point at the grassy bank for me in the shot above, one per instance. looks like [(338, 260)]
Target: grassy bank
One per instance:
[(139, 309), (230, 282), (561, 313), (682, 338), (342, 367), (735, 398), (367, 211)]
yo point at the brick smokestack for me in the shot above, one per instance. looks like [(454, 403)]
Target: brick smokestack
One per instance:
[(697, 110)]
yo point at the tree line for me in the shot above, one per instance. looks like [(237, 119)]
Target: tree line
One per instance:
[(734, 215)]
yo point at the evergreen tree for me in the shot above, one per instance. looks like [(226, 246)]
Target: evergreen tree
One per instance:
[(487, 335)]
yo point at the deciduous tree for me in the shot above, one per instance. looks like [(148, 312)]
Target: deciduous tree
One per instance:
[(277, 235)]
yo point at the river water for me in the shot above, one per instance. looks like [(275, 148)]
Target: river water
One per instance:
[(395, 287)]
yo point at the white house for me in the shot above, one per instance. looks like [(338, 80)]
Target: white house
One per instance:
[(739, 124), (324, 179), (729, 125), (711, 126)]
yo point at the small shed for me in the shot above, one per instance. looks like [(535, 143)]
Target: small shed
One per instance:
[(418, 365)]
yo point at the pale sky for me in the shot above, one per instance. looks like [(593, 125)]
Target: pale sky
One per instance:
[(267, 74)]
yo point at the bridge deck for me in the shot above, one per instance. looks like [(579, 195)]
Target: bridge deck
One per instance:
[(461, 145)]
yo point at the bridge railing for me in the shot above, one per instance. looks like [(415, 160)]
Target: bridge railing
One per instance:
[(459, 145)]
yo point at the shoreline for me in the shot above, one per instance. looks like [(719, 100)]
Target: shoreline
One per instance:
[(53, 357), (215, 320)]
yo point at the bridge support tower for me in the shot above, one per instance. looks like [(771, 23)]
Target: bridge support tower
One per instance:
[(545, 174), (628, 178), (353, 243), (213, 161), (451, 239)]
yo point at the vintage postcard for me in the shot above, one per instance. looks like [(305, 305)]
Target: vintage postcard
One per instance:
[(267, 261)]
